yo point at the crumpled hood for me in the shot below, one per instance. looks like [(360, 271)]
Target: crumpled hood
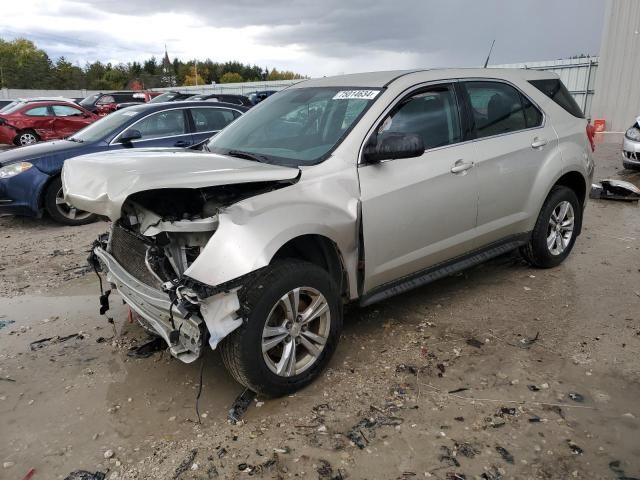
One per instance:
[(101, 182)]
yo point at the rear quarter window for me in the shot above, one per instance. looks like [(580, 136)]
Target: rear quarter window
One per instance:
[(556, 91)]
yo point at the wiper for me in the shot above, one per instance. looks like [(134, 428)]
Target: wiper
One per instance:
[(248, 156)]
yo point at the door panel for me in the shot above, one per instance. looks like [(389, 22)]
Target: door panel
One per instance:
[(416, 212), (167, 128), (512, 146), (68, 120)]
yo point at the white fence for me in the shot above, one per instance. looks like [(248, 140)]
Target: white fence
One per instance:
[(578, 74)]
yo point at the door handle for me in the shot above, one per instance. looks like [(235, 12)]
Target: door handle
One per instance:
[(538, 142), (461, 166), (181, 143)]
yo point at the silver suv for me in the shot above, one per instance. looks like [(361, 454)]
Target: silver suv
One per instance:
[(336, 190)]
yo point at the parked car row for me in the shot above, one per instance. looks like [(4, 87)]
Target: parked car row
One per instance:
[(30, 176)]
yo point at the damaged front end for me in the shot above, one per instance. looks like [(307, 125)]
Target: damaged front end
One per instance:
[(158, 236)]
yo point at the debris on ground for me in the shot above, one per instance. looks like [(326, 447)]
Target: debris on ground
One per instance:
[(43, 342), (356, 433), (474, 342), (151, 346), (492, 474), (526, 342), (466, 449), (505, 454), (448, 457), (615, 190), (575, 449), (576, 397), (5, 323), (616, 467), (240, 406), (186, 463), (84, 475)]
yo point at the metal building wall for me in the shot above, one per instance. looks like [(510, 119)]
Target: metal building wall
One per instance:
[(617, 98), (578, 74)]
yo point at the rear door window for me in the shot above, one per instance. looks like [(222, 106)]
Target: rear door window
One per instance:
[(211, 119), (66, 111), (556, 91), (497, 108)]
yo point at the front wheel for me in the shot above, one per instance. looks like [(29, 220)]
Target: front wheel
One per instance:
[(555, 231), (291, 330), (60, 210)]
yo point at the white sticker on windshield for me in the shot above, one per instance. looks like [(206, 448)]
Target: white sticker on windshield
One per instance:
[(360, 94)]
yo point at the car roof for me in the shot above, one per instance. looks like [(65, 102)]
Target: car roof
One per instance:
[(382, 79), (150, 107)]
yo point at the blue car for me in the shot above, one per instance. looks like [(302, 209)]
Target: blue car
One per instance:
[(30, 176)]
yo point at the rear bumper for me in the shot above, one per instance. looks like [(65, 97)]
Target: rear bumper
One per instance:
[(153, 306), (21, 195)]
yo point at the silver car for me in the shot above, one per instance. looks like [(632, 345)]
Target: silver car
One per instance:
[(631, 146), (345, 189)]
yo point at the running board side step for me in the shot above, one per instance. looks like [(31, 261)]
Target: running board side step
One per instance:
[(443, 269)]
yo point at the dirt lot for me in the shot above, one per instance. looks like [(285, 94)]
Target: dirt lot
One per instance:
[(444, 382)]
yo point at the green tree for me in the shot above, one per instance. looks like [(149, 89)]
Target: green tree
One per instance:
[(191, 78), (231, 77)]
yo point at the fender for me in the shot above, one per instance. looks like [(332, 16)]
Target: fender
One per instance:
[(251, 232)]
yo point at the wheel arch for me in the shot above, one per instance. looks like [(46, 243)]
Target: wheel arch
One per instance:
[(321, 251)]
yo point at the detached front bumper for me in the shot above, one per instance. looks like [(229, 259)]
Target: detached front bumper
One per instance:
[(153, 306)]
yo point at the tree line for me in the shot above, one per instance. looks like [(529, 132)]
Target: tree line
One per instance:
[(24, 65)]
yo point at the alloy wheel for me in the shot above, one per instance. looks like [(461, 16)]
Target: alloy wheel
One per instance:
[(296, 331), (27, 138), (69, 211), (560, 230)]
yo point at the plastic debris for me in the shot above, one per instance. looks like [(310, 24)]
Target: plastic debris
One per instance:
[(57, 339), (576, 397), (611, 189), (240, 406), (84, 475), (153, 345), (474, 342), (504, 453), (575, 449)]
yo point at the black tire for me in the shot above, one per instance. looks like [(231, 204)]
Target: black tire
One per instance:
[(537, 252), (26, 137), (59, 212), (630, 166), (241, 351)]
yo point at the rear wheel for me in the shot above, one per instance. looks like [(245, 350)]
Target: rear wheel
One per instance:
[(60, 210), (555, 231), (26, 137), (291, 331)]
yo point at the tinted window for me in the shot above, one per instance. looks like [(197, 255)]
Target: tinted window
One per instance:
[(105, 100), (38, 112), (211, 119), (109, 125), (433, 115), (162, 124), (65, 111), (532, 116), (556, 91), (496, 108)]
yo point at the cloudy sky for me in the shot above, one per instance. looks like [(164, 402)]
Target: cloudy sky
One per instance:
[(313, 37)]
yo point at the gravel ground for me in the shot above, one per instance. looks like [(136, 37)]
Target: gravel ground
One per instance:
[(500, 372)]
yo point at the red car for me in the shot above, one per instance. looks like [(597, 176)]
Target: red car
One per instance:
[(104, 103), (30, 122)]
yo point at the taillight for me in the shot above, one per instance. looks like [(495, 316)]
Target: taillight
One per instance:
[(591, 133)]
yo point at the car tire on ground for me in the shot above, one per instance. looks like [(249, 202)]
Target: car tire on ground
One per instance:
[(293, 307), (26, 137), (62, 212), (555, 231)]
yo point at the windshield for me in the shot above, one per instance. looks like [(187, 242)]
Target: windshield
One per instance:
[(90, 100), (165, 97), (106, 125), (299, 126), (12, 107)]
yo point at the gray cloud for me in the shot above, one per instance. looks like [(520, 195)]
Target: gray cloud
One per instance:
[(436, 32)]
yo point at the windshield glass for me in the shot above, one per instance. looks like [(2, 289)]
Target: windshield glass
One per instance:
[(90, 100), (12, 107), (165, 97), (299, 126), (106, 125)]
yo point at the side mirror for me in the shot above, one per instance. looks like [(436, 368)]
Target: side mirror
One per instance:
[(130, 135), (391, 145)]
